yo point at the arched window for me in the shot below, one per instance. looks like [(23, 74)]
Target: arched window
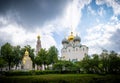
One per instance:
[(76, 49), (69, 50), (83, 49)]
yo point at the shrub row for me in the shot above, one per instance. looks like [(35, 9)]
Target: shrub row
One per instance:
[(36, 72), (22, 73)]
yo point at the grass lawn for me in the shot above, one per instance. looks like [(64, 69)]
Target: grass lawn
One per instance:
[(61, 78)]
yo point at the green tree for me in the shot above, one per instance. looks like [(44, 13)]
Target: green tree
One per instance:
[(41, 58), (17, 55), (66, 66), (38, 60), (52, 55), (59, 65), (6, 52), (104, 56), (95, 61), (86, 64), (114, 62), (2, 63)]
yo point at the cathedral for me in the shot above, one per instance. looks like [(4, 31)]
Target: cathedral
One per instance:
[(72, 49)]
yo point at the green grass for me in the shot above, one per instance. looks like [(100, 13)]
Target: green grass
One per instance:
[(61, 78)]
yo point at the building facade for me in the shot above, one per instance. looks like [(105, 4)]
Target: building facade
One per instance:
[(72, 49)]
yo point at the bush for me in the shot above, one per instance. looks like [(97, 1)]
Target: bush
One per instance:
[(17, 73), (37, 72), (32, 72), (46, 72)]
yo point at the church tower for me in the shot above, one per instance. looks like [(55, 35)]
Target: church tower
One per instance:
[(38, 46)]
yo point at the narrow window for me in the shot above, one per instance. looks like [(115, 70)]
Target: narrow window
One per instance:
[(83, 49), (76, 49), (69, 50)]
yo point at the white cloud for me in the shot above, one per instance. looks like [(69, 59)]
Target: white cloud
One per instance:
[(114, 19), (98, 37), (110, 3), (18, 35), (101, 12)]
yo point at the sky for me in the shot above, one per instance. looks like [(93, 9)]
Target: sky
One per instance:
[(97, 22)]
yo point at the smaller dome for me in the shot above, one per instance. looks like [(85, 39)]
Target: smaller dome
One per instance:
[(64, 41), (77, 38)]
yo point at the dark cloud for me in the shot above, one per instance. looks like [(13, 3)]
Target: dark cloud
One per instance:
[(115, 39), (32, 12)]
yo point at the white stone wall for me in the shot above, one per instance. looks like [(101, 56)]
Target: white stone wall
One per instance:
[(74, 52)]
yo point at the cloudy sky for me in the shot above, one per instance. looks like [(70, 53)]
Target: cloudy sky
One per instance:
[(97, 22)]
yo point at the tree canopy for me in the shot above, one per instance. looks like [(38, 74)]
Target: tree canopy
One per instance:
[(53, 55), (6, 53), (108, 62)]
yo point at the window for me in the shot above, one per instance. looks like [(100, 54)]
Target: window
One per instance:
[(74, 60), (69, 50), (83, 49), (76, 49)]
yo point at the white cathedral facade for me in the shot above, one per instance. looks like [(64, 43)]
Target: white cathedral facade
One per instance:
[(72, 49)]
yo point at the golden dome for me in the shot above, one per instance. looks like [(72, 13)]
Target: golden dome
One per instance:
[(26, 53), (71, 37), (38, 36)]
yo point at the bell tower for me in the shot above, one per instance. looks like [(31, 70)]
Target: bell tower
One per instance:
[(38, 45)]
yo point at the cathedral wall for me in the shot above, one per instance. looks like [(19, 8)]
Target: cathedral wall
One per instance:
[(72, 53)]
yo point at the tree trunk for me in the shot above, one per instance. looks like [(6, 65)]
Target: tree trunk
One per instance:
[(43, 67), (16, 67), (1, 69)]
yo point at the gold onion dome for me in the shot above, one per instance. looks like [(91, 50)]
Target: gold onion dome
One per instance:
[(26, 53), (71, 37), (38, 36)]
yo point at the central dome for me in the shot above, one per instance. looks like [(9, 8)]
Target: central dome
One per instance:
[(71, 37)]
